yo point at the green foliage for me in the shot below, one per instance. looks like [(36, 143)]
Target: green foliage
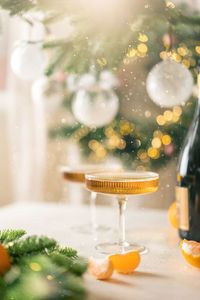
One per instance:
[(41, 269), (30, 245), (9, 235)]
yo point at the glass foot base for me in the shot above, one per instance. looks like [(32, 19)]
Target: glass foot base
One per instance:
[(90, 229), (113, 248)]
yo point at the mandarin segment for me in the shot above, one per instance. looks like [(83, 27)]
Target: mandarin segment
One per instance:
[(172, 215), (191, 252), (4, 260), (126, 262), (102, 269)]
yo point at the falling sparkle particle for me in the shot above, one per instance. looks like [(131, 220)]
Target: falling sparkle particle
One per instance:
[(102, 61), (147, 114)]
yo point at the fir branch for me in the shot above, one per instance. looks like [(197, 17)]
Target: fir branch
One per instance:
[(77, 265), (9, 235), (17, 7), (69, 252), (30, 245)]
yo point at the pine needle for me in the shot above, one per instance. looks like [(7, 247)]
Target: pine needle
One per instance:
[(31, 245), (9, 235)]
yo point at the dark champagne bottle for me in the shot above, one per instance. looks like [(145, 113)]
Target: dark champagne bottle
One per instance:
[(188, 179)]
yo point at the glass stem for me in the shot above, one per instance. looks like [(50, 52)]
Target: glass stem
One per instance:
[(122, 207), (93, 210)]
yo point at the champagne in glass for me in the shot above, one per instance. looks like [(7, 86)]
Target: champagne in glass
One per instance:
[(122, 185)]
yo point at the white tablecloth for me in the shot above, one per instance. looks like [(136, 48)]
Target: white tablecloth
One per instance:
[(163, 272)]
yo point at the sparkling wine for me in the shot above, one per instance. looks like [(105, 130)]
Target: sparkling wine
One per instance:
[(188, 180), (123, 183), (77, 174)]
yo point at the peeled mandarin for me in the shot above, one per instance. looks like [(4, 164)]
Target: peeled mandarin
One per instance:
[(126, 262), (172, 215), (100, 268), (191, 252), (4, 260)]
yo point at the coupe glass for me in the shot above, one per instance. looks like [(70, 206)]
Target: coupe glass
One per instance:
[(77, 175), (122, 185)]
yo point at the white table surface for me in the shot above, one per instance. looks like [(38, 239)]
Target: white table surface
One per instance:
[(163, 272)]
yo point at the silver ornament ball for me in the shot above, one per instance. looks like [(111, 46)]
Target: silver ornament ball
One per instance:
[(28, 61), (95, 109), (169, 83)]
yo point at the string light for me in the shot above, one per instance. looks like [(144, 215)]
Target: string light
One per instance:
[(177, 110), (80, 133), (142, 48), (131, 52), (163, 55), (160, 120), (168, 115), (166, 139), (182, 51), (175, 118), (122, 144), (173, 55), (142, 37), (143, 156), (109, 131), (197, 49), (186, 63), (153, 153), (113, 141), (170, 4), (125, 127), (93, 145), (158, 133), (156, 142)]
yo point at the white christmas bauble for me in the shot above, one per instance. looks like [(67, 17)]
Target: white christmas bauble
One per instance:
[(95, 109), (28, 61), (169, 83), (47, 91)]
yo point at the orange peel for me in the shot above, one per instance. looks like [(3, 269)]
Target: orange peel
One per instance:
[(172, 215), (125, 262), (191, 252), (4, 260), (102, 269)]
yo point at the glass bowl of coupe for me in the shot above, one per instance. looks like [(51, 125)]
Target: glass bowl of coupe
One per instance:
[(122, 185), (77, 175)]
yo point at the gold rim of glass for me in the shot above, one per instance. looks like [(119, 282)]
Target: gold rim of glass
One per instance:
[(124, 183)]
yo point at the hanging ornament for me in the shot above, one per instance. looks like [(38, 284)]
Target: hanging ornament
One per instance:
[(95, 108), (28, 61), (48, 91), (169, 83)]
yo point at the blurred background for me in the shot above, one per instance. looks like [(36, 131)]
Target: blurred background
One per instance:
[(47, 122)]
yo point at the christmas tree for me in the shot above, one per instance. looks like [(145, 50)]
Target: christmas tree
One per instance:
[(97, 65)]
